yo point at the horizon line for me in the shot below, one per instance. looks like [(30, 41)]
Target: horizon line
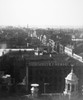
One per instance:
[(44, 26)]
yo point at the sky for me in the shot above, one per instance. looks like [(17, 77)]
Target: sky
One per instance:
[(41, 13)]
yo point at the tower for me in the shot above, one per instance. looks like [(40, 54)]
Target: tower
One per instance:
[(71, 86)]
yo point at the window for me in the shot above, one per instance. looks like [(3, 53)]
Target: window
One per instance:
[(68, 86), (72, 88)]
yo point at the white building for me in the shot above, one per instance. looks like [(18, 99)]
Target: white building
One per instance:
[(71, 86)]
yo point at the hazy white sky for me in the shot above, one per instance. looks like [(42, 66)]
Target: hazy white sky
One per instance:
[(41, 13)]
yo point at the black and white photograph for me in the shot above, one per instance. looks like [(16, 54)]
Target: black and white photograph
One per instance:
[(41, 49)]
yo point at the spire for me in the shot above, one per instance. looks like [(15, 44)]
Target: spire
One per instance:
[(71, 68)]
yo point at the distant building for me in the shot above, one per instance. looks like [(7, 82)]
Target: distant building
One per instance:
[(61, 49), (27, 44), (34, 34), (3, 45), (52, 44), (68, 50), (41, 37), (79, 48), (44, 40), (73, 36)]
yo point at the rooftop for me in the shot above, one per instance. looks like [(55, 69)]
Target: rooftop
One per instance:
[(71, 76)]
